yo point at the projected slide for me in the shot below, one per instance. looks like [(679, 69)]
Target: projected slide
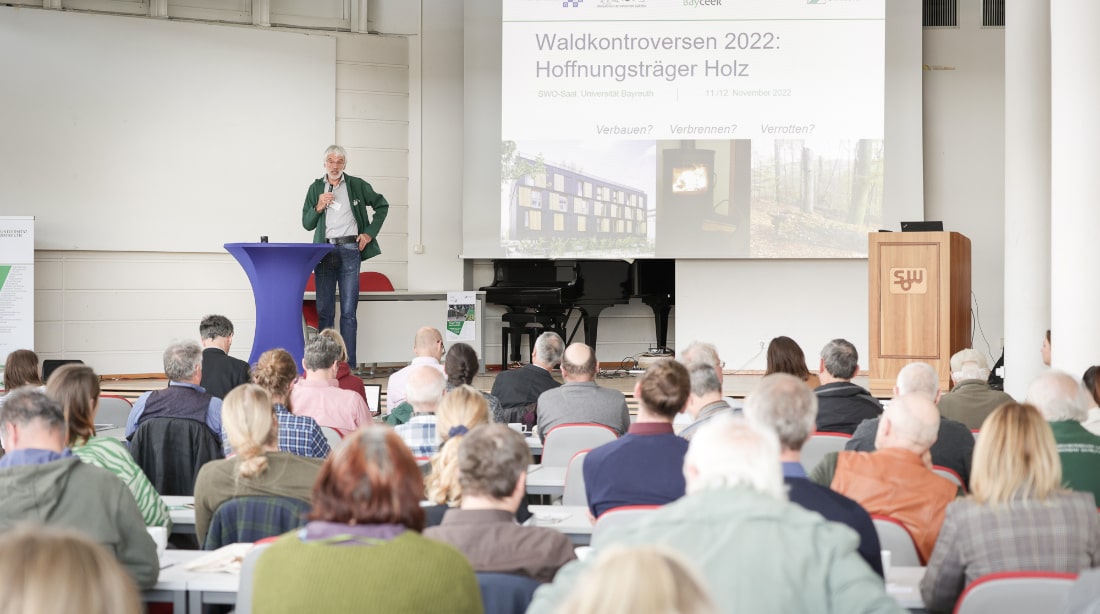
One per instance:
[(691, 128)]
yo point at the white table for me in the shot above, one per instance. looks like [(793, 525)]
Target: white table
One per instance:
[(546, 480), (535, 444), (171, 585), (903, 584), (182, 512), (190, 590), (569, 519)]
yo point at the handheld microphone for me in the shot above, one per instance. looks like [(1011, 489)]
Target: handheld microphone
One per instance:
[(328, 187)]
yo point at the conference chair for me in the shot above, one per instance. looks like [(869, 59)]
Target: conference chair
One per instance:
[(248, 571), (172, 450), (574, 492), (249, 519), (893, 536), (950, 474), (1016, 592), (565, 440), (819, 444), (618, 517), (113, 410), (503, 593), (333, 436)]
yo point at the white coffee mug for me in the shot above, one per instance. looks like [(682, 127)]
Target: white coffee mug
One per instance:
[(160, 537)]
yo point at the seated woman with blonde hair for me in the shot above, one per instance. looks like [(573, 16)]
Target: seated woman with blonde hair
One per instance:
[(1017, 517), (55, 570), (258, 468), (76, 388), (362, 549), (640, 579), (461, 410)]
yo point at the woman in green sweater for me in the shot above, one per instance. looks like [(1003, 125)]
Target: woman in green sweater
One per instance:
[(258, 468), (76, 388), (362, 550)]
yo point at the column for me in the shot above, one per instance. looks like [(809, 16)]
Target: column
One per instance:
[(1027, 189)]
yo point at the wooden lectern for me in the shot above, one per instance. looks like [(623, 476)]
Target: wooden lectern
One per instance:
[(919, 284)]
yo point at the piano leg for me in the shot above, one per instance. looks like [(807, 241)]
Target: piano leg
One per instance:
[(590, 318), (661, 309)]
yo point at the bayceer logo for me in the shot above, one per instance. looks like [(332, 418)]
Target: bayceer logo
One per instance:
[(908, 281), (702, 2), (572, 3)]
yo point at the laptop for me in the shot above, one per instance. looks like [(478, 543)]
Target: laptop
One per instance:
[(374, 397), (922, 226)]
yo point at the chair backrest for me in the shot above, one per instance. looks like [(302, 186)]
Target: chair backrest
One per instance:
[(1016, 592), (893, 536), (565, 440), (617, 517), (950, 474), (248, 570), (372, 281), (333, 436), (819, 444), (249, 519), (503, 593), (172, 450), (113, 410), (574, 492)]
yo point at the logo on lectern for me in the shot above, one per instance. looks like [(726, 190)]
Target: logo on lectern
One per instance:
[(908, 281)]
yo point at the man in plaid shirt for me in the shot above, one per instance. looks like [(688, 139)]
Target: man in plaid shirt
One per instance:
[(300, 434), (425, 390)]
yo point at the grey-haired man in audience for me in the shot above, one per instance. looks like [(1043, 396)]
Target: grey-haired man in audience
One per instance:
[(705, 401), (220, 371), (184, 397), (581, 399), (1064, 403), (842, 405), (971, 400), (518, 389), (42, 482)]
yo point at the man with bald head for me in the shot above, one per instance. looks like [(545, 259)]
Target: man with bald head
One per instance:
[(896, 479), (580, 399), (954, 445), (428, 350), (1064, 404)]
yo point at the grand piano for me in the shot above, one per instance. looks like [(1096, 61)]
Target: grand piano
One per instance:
[(544, 292)]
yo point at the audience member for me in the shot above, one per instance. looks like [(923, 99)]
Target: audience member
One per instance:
[(1062, 402), (580, 399), (1017, 518), (640, 579), (1045, 350), (842, 405), (705, 400), (461, 365), (275, 372), (1091, 381), (258, 468), (643, 467), (344, 377), (45, 570), (896, 479), (318, 396), (363, 543), (736, 503), (492, 471), (41, 481), (184, 397), (954, 445), (519, 389), (971, 400), (425, 391), (461, 410), (220, 371), (786, 356), (427, 351), (21, 369), (76, 388), (788, 407)]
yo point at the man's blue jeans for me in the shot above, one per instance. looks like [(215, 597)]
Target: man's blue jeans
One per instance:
[(340, 266)]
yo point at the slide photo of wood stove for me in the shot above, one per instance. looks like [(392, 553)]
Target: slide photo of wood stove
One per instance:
[(705, 191), (815, 198), (570, 199)]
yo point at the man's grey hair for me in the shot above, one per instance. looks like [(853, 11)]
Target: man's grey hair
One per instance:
[(27, 404), (424, 387), (907, 414), (549, 347), (1059, 397), (214, 326), (918, 378), (730, 452), (704, 379), (335, 149), (699, 351), (786, 405), (841, 358), (181, 360), (491, 458), (588, 368), (321, 352)]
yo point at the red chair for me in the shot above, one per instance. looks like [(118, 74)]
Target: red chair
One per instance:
[(819, 444), (895, 537), (620, 516), (1016, 592), (574, 492), (565, 440), (950, 474)]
